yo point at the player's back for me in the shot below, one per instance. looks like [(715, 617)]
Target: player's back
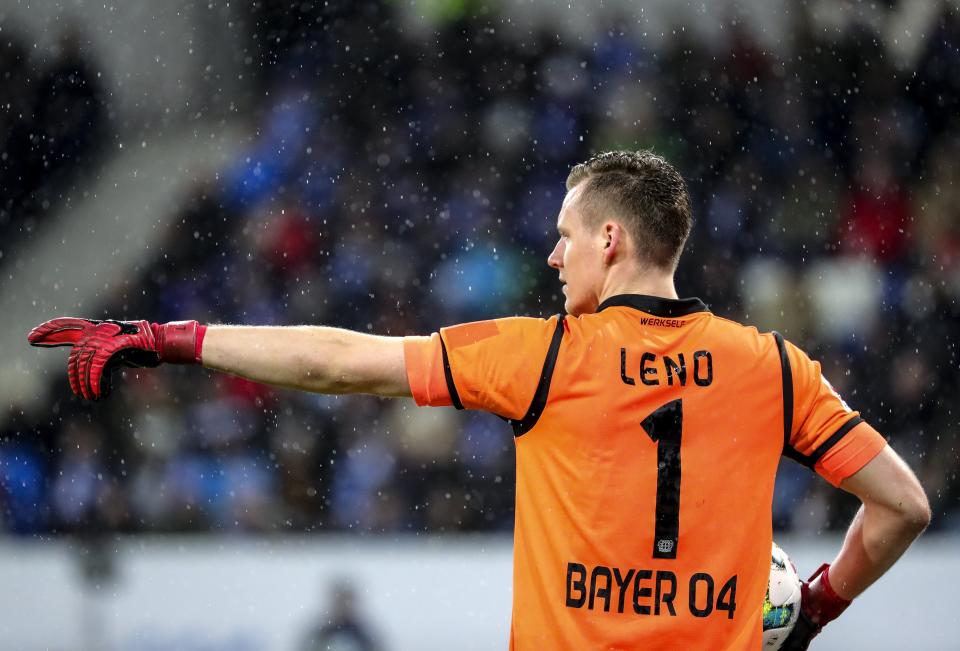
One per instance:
[(645, 486), (648, 436)]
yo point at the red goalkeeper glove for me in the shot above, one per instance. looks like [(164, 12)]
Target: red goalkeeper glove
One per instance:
[(101, 346), (819, 605)]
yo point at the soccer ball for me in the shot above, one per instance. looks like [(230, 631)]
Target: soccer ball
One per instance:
[(781, 606)]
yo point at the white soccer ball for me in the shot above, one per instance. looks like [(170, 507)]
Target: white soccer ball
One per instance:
[(781, 607)]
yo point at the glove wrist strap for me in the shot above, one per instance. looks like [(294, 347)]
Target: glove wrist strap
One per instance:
[(179, 342), (825, 604)]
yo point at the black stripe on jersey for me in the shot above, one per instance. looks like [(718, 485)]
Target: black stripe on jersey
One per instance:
[(451, 387), (787, 383), (788, 450), (525, 424), (833, 440)]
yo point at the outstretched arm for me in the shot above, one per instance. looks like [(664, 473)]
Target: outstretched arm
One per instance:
[(311, 358)]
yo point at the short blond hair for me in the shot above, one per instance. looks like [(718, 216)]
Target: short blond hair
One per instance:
[(646, 193)]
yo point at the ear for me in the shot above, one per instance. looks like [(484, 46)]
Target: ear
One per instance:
[(613, 241)]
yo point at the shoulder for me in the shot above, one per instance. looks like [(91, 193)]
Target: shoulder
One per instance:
[(744, 337), (505, 329)]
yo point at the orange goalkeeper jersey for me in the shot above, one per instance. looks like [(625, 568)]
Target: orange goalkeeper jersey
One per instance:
[(647, 438)]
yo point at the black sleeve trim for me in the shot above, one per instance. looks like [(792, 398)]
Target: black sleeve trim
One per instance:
[(792, 453), (451, 387), (787, 383), (539, 402), (834, 439), (811, 460)]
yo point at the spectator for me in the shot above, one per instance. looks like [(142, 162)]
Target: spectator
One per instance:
[(51, 130), (412, 183), (340, 627)]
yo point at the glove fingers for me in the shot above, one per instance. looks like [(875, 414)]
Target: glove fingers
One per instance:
[(804, 630), (65, 331), (106, 378), (76, 371), (97, 350), (86, 371), (73, 374), (83, 356), (98, 373)]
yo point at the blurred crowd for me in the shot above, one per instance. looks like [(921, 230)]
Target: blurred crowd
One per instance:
[(53, 123), (398, 183)]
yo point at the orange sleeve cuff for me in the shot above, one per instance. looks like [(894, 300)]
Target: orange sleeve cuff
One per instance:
[(853, 452), (423, 357)]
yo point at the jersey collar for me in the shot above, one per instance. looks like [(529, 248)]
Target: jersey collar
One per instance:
[(655, 305)]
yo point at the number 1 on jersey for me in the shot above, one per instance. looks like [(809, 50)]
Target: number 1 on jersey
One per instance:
[(665, 427)]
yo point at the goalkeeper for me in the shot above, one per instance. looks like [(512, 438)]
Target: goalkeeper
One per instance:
[(648, 431)]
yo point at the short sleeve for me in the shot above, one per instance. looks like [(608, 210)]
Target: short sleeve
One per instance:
[(861, 444), (493, 366), (423, 359), (824, 432)]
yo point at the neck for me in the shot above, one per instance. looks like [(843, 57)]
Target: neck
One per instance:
[(648, 282)]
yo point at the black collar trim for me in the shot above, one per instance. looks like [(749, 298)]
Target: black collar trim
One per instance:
[(655, 305)]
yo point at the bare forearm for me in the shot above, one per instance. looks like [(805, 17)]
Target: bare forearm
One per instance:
[(877, 537), (311, 358)]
